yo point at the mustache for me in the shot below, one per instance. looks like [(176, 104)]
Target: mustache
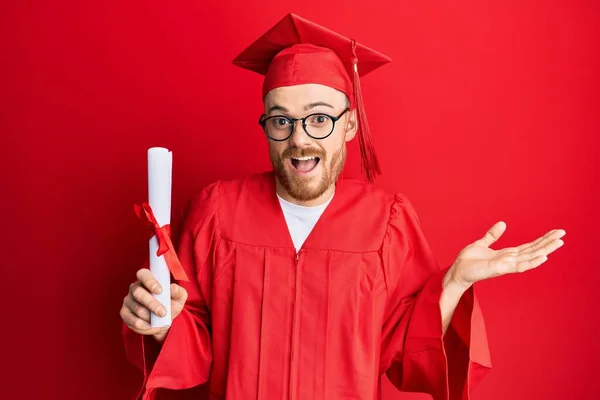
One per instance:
[(295, 152)]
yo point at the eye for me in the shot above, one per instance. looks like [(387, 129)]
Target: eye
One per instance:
[(319, 119), (280, 121)]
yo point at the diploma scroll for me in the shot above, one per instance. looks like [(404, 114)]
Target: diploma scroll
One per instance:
[(160, 162)]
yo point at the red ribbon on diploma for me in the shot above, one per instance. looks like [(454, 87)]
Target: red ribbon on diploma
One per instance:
[(163, 235)]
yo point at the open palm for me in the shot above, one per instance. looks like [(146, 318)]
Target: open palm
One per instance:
[(478, 261)]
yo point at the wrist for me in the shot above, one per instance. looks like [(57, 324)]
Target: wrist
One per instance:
[(161, 336), (452, 283)]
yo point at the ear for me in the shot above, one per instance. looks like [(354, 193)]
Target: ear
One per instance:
[(351, 125)]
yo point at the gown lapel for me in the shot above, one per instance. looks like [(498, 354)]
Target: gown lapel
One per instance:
[(321, 233)]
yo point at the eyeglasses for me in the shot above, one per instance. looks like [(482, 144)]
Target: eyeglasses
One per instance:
[(317, 126)]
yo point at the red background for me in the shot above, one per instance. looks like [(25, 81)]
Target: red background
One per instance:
[(488, 112)]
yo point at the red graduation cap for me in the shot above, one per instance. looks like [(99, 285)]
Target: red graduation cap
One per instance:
[(297, 51)]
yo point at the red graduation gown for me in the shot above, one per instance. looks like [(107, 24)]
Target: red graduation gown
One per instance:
[(360, 299)]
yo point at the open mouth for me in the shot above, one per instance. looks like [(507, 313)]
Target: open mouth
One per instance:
[(305, 164)]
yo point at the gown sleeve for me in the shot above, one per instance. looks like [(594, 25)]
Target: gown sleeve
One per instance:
[(415, 354), (184, 359)]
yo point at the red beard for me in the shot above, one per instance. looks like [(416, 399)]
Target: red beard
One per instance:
[(303, 188)]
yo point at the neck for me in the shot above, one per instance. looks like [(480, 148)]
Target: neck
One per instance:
[(322, 199)]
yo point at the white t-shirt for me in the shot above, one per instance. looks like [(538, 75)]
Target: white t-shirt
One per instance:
[(300, 219)]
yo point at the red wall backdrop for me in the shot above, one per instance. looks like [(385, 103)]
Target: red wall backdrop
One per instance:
[(489, 111)]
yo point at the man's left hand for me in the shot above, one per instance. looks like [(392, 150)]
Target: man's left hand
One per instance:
[(478, 261)]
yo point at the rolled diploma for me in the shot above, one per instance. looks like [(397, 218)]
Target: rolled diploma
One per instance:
[(160, 162)]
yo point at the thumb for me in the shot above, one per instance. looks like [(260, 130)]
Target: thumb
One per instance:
[(493, 234), (178, 293)]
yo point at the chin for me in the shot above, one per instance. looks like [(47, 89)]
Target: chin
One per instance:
[(304, 188)]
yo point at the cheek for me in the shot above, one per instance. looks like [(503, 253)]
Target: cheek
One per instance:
[(275, 148), (332, 146)]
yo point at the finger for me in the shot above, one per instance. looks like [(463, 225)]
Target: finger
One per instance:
[(178, 293), (524, 247), (493, 234), (551, 235), (533, 247), (530, 264), (136, 308), (510, 265), (538, 242), (507, 251), (147, 279), (548, 248), (142, 296), (133, 322)]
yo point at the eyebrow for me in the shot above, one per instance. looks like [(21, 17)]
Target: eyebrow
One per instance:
[(277, 108), (317, 104), (310, 106)]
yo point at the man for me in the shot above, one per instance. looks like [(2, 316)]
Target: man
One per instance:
[(306, 286)]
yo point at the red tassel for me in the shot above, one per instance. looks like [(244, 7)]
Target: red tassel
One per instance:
[(370, 164)]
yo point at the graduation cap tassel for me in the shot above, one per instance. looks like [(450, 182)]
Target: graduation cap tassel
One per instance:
[(370, 164)]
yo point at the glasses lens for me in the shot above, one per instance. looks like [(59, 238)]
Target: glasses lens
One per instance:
[(319, 125), (278, 128)]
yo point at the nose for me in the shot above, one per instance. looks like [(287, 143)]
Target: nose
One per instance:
[(299, 138)]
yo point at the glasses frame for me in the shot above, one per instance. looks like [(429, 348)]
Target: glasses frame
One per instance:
[(263, 122)]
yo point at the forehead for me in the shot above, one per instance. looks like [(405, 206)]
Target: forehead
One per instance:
[(300, 95)]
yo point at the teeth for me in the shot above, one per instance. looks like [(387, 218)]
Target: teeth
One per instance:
[(305, 158)]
